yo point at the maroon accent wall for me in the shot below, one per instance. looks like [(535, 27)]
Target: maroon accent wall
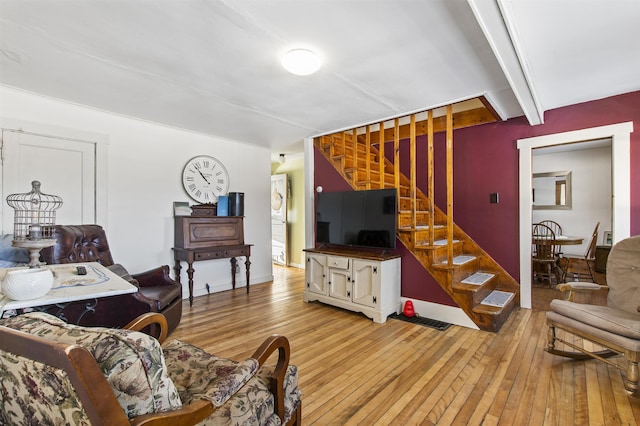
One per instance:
[(486, 161), (414, 278)]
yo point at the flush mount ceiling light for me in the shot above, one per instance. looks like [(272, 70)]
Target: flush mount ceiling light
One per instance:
[(301, 61)]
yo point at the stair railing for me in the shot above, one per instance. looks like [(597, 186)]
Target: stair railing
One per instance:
[(449, 185), (430, 178)]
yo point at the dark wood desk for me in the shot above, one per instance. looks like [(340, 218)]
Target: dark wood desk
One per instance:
[(209, 238), (209, 253)]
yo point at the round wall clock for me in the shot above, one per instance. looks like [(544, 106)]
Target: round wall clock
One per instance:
[(205, 179)]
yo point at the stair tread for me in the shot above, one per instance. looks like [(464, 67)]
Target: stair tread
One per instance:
[(478, 278), (460, 260), (498, 298), (421, 227), (444, 242)]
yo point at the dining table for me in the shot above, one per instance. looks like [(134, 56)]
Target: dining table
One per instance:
[(561, 240)]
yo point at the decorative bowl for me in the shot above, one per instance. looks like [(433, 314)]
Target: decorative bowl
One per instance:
[(25, 284)]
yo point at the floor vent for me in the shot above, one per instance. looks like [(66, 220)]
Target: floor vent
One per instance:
[(427, 322)]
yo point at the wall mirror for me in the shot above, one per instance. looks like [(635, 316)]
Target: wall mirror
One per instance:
[(552, 191)]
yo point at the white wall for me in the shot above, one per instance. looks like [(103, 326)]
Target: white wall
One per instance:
[(591, 193), (143, 179)]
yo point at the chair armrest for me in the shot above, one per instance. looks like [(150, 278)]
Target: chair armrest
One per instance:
[(155, 277), (150, 318), (268, 347), (187, 415), (584, 292)]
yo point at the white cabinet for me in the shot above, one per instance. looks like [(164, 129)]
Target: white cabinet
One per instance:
[(363, 283)]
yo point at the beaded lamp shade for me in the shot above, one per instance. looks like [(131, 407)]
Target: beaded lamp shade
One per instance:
[(35, 214)]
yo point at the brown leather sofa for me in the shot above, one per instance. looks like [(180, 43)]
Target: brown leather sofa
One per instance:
[(157, 292)]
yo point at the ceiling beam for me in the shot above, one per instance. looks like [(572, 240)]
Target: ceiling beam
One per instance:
[(495, 20)]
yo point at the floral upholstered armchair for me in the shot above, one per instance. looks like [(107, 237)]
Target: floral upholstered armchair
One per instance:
[(52, 372)]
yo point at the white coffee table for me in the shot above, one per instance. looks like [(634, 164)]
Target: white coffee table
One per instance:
[(68, 286)]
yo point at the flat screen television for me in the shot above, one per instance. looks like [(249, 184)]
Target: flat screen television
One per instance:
[(357, 219)]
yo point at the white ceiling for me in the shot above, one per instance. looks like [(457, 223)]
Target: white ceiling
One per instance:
[(212, 66)]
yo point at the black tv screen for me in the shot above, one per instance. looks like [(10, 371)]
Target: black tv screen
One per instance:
[(357, 218)]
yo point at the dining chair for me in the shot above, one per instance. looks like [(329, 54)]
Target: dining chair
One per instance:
[(556, 228), (574, 271), (545, 254)]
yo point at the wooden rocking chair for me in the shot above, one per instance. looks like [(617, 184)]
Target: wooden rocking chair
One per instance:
[(615, 327)]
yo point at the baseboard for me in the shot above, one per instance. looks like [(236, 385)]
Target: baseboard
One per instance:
[(444, 313)]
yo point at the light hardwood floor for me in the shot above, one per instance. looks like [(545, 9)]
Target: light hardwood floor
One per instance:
[(354, 371)]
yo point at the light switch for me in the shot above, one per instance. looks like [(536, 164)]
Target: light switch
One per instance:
[(494, 198)]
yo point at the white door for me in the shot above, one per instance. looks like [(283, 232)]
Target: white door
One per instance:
[(65, 167), (279, 234)]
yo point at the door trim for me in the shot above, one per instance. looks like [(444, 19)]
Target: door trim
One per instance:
[(620, 135), (100, 141)]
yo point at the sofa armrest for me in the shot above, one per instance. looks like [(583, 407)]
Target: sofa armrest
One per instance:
[(155, 277), (277, 377)]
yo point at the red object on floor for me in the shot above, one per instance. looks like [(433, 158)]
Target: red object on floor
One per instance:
[(408, 309)]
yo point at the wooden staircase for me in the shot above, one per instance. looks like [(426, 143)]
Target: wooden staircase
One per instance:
[(461, 267)]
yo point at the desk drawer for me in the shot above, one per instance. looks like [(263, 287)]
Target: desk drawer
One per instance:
[(203, 232), (338, 262), (221, 254)]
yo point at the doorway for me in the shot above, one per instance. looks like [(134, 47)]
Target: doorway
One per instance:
[(620, 180), (279, 225)]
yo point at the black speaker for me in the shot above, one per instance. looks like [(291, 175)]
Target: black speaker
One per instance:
[(236, 204)]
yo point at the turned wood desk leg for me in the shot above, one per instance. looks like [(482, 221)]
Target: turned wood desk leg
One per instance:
[(176, 271), (190, 275), (247, 263), (234, 268)]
